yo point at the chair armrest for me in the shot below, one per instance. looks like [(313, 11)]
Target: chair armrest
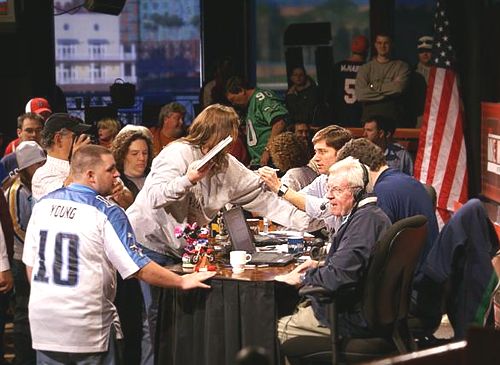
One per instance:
[(344, 293), (317, 291)]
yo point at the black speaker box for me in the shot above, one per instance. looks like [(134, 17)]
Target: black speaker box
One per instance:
[(111, 7), (93, 114), (307, 34)]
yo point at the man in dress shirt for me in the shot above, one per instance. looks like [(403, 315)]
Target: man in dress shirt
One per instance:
[(61, 136)]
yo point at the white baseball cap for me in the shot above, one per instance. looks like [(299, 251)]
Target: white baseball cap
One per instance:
[(29, 153)]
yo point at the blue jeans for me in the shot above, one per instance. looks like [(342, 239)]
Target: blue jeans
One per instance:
[(4, 305), (25, 355), (110, 357), (151, 295)]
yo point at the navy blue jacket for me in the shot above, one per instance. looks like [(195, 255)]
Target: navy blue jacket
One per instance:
[(349, 255), (402, 196)]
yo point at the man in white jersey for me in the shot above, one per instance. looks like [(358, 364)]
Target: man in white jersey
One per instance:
[(74, 241)]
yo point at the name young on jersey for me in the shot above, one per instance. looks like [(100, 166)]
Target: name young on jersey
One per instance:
[(62, 211)]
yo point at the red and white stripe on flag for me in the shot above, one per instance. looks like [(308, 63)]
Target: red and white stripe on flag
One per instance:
[(441, 156)]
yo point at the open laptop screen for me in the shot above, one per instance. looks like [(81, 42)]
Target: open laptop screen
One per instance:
[(238, 230)]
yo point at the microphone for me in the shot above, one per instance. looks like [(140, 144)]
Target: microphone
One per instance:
[(324, 205)]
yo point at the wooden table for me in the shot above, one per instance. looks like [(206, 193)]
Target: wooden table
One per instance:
[(211, 326), (257, 273)]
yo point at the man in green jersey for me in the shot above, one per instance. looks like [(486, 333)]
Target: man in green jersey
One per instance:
[(266, 114)]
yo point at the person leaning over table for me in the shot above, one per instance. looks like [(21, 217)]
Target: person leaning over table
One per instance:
[(311, 199), (351, 247), (175, 193)]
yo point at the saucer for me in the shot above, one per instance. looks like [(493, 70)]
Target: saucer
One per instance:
[(238, 270)]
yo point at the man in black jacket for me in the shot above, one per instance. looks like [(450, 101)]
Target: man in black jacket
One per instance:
[(351, 247)]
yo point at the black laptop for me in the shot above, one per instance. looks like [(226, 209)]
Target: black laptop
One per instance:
[(242, 239)]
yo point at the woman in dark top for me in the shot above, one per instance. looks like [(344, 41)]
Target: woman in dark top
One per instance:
[(133, 152), (302, 97)]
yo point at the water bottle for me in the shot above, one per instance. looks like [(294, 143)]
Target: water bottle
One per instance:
[(265, 229)]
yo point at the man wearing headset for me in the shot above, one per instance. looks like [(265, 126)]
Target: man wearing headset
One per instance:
[(351, 247), (398, 194)]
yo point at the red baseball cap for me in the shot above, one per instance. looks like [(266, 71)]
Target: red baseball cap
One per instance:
[(38, 106), (359, 44)]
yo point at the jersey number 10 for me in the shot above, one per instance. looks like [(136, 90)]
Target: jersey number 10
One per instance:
[(71, 258)]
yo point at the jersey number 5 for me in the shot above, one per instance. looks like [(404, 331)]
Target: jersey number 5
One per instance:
[(349, 88), (67, 243)]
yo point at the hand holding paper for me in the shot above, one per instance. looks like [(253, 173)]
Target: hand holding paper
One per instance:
[(195, 174), (214, 151)]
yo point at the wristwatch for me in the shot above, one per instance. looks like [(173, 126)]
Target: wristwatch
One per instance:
[(282, 190)]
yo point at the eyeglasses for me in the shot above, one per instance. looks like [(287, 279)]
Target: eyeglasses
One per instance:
[(337, 190)]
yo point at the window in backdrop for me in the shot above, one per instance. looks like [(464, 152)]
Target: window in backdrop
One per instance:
[(154, 44), (413, 19)]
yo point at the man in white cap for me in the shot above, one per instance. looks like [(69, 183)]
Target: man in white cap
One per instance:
[(30, 156), (417, 91), (424, 47)]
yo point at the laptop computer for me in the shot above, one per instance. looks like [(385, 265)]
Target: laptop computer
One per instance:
[(242, 239)]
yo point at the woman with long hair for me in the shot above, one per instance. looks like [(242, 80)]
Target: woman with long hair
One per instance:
[(133, 153), (176, 193)]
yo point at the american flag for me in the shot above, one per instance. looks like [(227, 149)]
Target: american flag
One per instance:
[(441, 157)]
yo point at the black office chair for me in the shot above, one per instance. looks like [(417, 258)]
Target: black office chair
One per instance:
[(384, 301), (458, 271)]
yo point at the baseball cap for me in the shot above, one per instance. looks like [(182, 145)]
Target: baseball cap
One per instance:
[(38, 106), (424, 43), (58, 121), (29, 153), (359, 44)]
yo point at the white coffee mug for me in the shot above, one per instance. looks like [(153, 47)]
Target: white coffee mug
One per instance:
[(238, 259)]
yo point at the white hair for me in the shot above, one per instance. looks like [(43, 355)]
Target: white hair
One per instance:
[(352, 170), (137, 128)]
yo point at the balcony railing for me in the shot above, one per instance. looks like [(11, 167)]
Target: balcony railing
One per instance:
[(107, 80)]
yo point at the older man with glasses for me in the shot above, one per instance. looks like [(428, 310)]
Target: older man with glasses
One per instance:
[(351, 247)]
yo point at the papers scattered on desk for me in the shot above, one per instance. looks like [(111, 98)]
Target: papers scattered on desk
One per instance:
[(291, 234)]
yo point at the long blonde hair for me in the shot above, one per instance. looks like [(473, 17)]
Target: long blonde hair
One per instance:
[(211, 126)]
